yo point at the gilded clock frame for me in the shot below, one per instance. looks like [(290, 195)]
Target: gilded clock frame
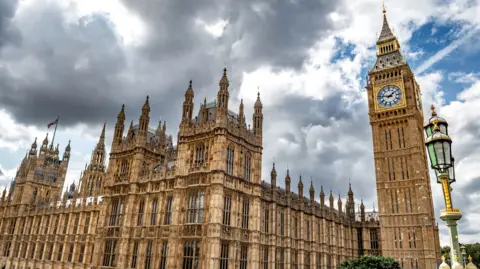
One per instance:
[(403, 101)]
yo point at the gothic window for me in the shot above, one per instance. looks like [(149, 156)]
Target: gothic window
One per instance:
[(227, 205), (266, 217), (6, 250), (116, 213), (32, 250), (395, 237), (59, 252), (34, 196), (168, 211), (191, 254), (307, 226), (81, 254), (124, 167), (247, 167), (295, 225), (307, 260), (264, 260), (318, 261), (414, 240), (230, 159), (245, 213), (195, 207), (40, 251), (282, 222), (163, 257), (87, 223), (200, 154), (55, 227), (153, 219), (75, 226), (65, 224), (47, 224), (243, 256), (133, 264), (109, 253), (224, 255), (373, 239), (148, 256), (409, 241), (280, 258), (50, 252), (294, 259), (70, 252)]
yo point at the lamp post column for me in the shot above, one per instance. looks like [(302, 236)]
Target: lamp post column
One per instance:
[(450, 215)]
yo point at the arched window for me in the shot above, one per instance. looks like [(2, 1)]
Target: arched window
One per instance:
[(34, 197), (247, 167), (230, 159), (200, 154)]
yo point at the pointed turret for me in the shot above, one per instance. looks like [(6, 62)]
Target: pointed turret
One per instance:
[(33, 148), (273, 177), (300, 189), (44, 147), (362, 211), (203, 111), (66, 154), (339, 203), (388, 49), (386, 34), (258, 117), (287, 183), (350, 207), (143, 122), (102, 135), (322, 197), (331, 202), (130, 133), (312, 193), (241, 114), (119, 128), (188, 105), (222, 97)]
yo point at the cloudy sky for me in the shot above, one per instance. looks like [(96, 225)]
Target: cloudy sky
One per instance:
[(81, 59)]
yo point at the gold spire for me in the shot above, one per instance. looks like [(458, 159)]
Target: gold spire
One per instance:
[(432, 108), (383, 7)]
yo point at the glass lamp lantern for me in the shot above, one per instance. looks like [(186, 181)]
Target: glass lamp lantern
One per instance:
[(439, 149)]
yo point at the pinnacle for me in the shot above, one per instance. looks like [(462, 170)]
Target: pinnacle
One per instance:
[(386, 32)]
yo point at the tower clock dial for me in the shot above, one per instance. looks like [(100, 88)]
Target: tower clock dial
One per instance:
[(389, 96)]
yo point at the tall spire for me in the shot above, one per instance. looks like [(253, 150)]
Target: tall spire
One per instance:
[(386, 33)]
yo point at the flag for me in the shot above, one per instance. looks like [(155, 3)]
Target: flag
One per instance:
[(52, 123)]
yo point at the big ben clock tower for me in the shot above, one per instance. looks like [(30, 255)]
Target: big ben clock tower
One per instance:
[(408, 230)]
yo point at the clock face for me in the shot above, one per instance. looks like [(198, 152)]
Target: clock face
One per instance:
[(389, 96)]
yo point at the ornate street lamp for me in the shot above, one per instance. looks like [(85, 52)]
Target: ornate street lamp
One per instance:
[(464, 254), (439, 144)]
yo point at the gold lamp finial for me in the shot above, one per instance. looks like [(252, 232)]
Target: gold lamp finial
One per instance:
[(432, 108), (470, 258), (456, 258), (384, 9), (443, 258)]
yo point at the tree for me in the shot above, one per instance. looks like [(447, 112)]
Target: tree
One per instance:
[(370, 262)]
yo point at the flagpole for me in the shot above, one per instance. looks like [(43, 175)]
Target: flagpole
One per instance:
[(54, 131)]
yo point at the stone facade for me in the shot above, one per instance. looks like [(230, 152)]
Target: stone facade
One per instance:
[(200, 204), (408, 229)]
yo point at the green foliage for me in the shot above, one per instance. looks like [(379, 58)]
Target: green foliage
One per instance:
[(370, 262)]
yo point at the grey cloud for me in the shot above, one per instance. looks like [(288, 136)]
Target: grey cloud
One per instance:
[(337, 162), (8, 32)]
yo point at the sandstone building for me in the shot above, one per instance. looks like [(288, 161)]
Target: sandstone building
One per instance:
[(202, 203)]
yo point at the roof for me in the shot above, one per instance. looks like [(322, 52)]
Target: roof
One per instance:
[(386, 33)]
